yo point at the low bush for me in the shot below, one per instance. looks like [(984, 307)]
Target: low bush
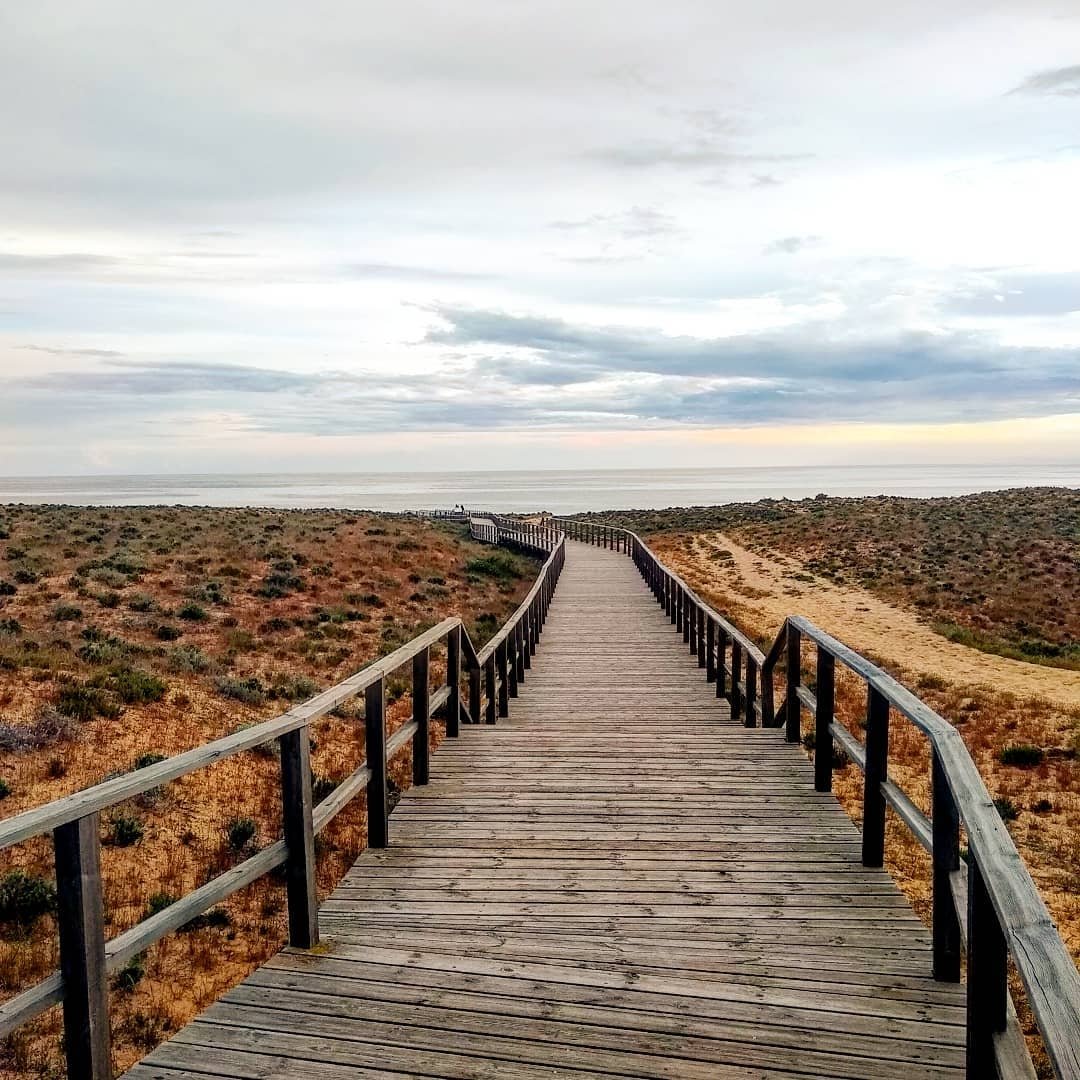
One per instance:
[(50, 726), (240, 833), (250, 690), (134, 686), (24, 898), (168, 632), (292, 688), (193, 612), (25, 576), (6, 588), (131, 974), (159, 902), (1008, 810), (500, 566), (214, 919), (125, 830), (1022, 755), (5, 788), (81, 701), (143, 761), (185, 659), (66, 613)]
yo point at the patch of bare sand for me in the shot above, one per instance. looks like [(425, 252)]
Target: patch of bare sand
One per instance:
[(768, 586)]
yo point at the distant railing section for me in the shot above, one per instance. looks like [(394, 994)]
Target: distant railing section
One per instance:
[(492, 676), (985, 905)]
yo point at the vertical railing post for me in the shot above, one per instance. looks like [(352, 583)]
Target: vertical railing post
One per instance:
[(453, 681), (987, 977), (375, 739), (81, 923), (710, 650), (823, 718), (421, 699), (526, 640), (736, 664), (793, 717), (749, 713), (474, 694), (700, 638), (946, 855), (685, 614), (721, 662), (511, 661), (691, 627), (296, 810), (504, 677), (519, 650), (877, 772), (491, 704)]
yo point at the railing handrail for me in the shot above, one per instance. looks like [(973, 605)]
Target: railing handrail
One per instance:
[(999, 901), (73, 820)]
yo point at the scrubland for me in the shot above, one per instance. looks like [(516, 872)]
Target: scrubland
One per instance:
[(127, 635)]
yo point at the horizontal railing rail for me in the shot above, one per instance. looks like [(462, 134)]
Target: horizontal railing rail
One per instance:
[(87, 959), (986, 906)]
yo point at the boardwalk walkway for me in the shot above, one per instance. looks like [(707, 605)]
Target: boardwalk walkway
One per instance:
[(617, 881)]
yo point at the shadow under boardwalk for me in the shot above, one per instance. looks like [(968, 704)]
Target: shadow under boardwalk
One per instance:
[(617, 881)]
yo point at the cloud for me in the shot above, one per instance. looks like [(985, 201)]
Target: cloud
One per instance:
[(639, 222), (1023, 295), (792, 245), (1056, 82)]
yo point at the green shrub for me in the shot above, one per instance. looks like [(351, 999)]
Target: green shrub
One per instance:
[(497, 565), (1008, 810), (126, 830), (159, 902), (24, 898), (143, 761), (6, 588), (240, 833), (186, 659), (168, 632), (1022, 755), (193, 612), (293, 688), (131, 974), (250, 690), (135, 687), (321, 786), (66, 613), (5, 788), (82, 701), (25, 576), (141, 602)]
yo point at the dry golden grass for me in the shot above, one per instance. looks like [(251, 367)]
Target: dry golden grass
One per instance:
[(363, 585), (981, 694)]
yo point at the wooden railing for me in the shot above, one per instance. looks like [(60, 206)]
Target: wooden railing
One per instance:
[(87, 958), (985, 905)]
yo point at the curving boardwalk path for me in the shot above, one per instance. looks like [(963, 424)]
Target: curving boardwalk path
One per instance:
[(616, 881)]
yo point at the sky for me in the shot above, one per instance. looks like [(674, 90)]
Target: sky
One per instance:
[(519, 234)]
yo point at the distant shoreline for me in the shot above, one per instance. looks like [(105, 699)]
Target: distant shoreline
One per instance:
[(558, 491)]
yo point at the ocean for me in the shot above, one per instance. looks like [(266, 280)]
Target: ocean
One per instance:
[(562, 491)]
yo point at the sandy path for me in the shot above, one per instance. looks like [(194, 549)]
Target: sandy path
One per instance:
[(765, 585)]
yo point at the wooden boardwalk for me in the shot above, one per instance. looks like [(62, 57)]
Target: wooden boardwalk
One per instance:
[(619, 880)]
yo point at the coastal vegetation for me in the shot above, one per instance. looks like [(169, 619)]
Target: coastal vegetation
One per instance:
[(131, 635)]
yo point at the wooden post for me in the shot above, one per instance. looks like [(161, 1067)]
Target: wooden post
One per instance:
[(378, 823), (474, 695), (710, 650), (453, 681), (81, 923), (511, 660), (826, 704), (519, 650), (526, 640), (296, 810), (749, 715), (700, 638), (504, 678), (684, 612), (987, 977), (946, 853), (691, 627), (877, 772), (421, 699), (793, 725), (721, 662), (491, 705), (736, 663)]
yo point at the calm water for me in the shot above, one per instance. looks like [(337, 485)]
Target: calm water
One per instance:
[(567, 491)]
